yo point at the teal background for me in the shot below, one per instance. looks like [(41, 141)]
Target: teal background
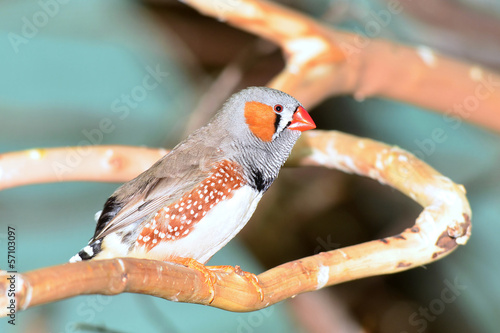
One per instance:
[(60, 85), (65, 79)]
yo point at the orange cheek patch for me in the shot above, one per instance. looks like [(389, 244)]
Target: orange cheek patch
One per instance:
[(260, 119)]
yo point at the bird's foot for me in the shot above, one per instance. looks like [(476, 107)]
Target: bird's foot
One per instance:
[(210, 277), (210, 274), (249, 277)]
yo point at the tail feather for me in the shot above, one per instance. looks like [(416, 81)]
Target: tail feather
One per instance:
[(88, 252)]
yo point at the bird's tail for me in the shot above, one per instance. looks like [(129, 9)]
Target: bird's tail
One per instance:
[(88, 252)]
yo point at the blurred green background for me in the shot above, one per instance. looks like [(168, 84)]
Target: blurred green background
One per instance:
[(66, 65)]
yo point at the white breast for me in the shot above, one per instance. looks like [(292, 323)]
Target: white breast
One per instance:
[(212, 232)]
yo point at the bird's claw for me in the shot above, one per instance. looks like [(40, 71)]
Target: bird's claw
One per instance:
[(210, 274)]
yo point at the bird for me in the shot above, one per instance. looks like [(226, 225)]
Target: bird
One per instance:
[(196, 198)]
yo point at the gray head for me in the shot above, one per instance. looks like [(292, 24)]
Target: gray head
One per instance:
[(262, 125)]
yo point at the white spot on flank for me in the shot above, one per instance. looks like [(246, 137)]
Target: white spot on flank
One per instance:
[(403, 158), (323, 276), (427, 55), (154, 241)]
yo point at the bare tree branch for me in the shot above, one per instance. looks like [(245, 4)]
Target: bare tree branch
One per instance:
[(440, 228), (322, 61), (81, 163)]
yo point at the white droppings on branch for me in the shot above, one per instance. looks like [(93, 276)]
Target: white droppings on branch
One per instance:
[(343, 254), (476, 73), (35, 154), (323, 275), (427, 55), (122, 265), (304, 50), (402, 158)]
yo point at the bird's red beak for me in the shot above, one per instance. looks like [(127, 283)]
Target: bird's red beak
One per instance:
[(301, 120)]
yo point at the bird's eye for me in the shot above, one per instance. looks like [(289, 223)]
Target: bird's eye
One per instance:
[(278, 108)]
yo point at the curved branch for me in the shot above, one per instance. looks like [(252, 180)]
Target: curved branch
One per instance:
[(440, 228), (321, 61), (81, 163)]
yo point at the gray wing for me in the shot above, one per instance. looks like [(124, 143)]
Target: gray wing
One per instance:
[(167, 180)]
